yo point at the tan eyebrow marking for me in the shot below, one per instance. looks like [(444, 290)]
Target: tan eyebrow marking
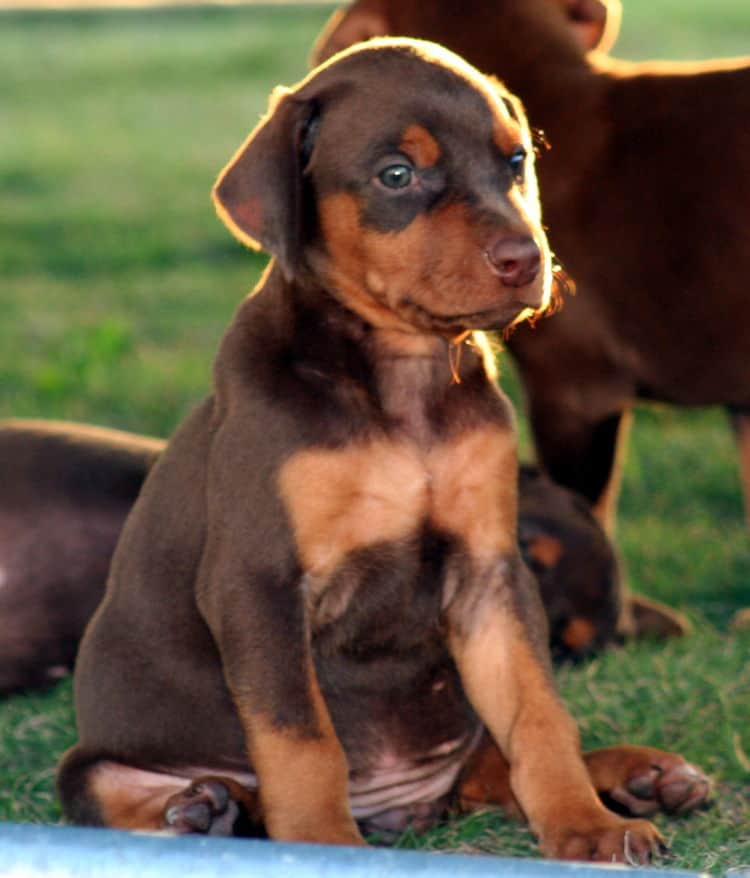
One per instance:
[(420, 146), (506, 134)]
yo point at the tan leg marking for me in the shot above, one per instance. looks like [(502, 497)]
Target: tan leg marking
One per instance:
[(513, 694), (486, 781), (132, 798), (641, 779), (514, 697), (302, 780), (605, 508)]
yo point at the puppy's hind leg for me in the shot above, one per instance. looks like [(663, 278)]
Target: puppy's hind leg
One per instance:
[(119, 796)]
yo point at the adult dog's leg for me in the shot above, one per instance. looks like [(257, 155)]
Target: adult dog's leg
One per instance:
[(584, 455), (740, 418)]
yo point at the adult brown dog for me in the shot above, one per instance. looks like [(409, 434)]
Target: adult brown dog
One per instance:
[(68, 488), (646, 193), (317, 611)]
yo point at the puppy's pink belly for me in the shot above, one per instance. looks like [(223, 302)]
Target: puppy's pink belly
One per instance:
[(402, 791), (395, 792)]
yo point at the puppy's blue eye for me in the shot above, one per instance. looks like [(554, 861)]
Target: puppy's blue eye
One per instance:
[(517, 163), (396, 176)]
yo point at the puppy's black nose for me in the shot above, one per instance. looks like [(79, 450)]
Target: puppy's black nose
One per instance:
[(514, 260)]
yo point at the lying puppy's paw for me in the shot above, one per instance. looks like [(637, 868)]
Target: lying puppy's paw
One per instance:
[(654, 619), (614, 840)]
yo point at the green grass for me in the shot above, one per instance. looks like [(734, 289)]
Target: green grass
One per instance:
[(117, 281)]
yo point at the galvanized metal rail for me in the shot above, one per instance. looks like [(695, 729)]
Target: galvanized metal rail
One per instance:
[(28, 850)]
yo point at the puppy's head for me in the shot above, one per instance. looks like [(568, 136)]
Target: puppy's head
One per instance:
[(402, 180)]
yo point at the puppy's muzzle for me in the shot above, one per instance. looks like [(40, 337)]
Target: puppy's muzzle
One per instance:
[(515, 260)]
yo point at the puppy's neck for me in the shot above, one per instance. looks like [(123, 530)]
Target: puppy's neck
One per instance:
[(413, 374), (406, 377)]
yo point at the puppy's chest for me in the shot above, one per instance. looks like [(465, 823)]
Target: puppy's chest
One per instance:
[(393, 493)]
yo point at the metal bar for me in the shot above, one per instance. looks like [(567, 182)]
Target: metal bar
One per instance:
[(28, 850)]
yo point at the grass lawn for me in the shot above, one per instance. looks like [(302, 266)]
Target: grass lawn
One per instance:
[(117, 281)]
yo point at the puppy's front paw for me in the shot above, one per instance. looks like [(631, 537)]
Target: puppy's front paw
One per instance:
[(611, 841)]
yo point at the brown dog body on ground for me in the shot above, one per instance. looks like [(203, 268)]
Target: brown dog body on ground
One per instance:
[(317, 614), (68, 488), (646, 194)]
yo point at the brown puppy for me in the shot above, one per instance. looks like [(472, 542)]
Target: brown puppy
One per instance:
[(317, 612), (67, 489), (574, 564), (646, 193)]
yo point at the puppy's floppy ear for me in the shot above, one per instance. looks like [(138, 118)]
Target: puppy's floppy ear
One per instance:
[(259, 193)]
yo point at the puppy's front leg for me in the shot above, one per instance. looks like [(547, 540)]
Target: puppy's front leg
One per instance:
[(496, 636), (250, 595), (301, 767)]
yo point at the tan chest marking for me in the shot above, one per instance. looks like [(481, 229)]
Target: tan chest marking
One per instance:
[(385, 490), (475, 492), (345, 499)]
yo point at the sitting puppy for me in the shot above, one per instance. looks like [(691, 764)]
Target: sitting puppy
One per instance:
[(68, 488), (317, 613)]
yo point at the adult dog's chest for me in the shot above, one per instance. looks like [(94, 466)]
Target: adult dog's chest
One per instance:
[(418, 483)]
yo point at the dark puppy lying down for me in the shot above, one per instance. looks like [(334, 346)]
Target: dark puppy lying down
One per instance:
[(67, 489), (317, 613)]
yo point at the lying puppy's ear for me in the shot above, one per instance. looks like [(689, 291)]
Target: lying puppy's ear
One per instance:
[(259, 193)]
